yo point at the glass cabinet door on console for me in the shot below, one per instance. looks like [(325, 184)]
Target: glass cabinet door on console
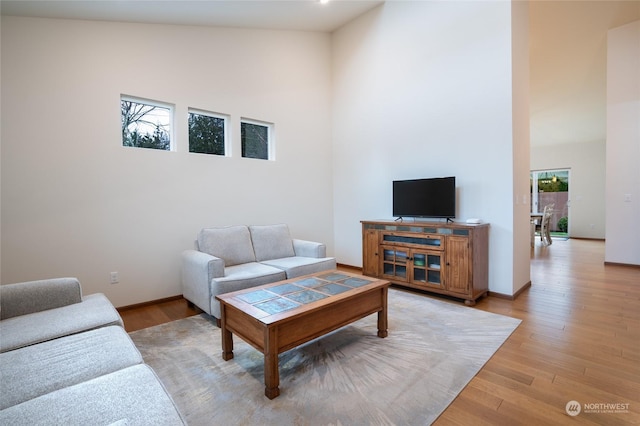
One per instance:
[(394, 263), (426, 269), (414, 266)]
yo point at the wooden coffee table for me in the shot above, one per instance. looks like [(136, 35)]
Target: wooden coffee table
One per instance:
[(276, 317)]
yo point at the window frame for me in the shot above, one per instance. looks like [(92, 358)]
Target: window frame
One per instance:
[(226, 135), (158, 104), (270, 138)]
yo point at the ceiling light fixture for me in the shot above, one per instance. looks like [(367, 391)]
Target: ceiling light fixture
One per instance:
[(324, 1)]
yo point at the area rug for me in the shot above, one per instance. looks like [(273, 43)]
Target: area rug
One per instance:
[(348, 377)]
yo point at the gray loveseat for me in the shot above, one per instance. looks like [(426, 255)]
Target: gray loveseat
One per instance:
[(65, 359), (233, 258)]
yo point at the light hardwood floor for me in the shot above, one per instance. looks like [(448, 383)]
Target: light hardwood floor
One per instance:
[(579, 340)]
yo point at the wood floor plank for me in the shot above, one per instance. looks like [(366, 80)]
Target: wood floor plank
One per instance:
[(471, 411), (607, 390), (523, 366), (155, 314), (526, 417), (542, 407)]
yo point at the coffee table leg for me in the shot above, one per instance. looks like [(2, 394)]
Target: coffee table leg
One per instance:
[(227, 338), (382, 315), (271, 373)]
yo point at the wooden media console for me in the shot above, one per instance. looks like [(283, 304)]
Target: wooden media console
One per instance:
[(445, 258)]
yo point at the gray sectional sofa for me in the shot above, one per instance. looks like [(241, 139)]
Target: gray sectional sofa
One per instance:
[(66, 359), (233, 258)]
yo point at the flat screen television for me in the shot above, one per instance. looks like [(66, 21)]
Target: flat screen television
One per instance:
[(428, 198)]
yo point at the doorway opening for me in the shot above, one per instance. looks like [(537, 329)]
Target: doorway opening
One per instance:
[(551, 187)]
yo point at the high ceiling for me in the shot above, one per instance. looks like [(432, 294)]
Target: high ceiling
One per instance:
[(304, 15), (567, 38)]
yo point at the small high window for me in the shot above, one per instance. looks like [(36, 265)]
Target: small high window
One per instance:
[(257, 139), (207, 132), (146, 124)]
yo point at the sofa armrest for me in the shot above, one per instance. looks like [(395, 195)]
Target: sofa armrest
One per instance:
[(198, 269), (203, 263), (36, 296), (309, 248)]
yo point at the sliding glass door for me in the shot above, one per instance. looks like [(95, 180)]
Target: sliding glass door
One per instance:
[(552, 187)]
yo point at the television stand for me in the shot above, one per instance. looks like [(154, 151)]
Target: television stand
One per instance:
[(439, 257)]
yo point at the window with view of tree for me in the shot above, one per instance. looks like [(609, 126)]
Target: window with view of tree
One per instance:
[(256, 140), (207, 133), (145, 124)]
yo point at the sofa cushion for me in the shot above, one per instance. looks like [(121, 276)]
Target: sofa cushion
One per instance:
[(271, 242), (94, 311), (240, 277), (298, 265), (231, 243), (39, 369), (134, 394), (243, 276), (35, 296)]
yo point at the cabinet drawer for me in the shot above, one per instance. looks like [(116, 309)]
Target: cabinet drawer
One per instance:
[(422, 241)]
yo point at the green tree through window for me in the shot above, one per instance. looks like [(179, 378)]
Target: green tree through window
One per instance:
[(206, 134)]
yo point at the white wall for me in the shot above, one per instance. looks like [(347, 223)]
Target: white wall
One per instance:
[(420, 89), (77, 203), (586, 162), (424, 89), (623, 145), (521, 145)]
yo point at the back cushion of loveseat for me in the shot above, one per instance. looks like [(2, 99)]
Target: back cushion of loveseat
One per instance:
[(231, 243), (271, 242)]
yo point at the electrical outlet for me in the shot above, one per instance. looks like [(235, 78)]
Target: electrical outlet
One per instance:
[(115, 279)]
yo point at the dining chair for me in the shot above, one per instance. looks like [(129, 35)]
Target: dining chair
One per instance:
[(545, 234)]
